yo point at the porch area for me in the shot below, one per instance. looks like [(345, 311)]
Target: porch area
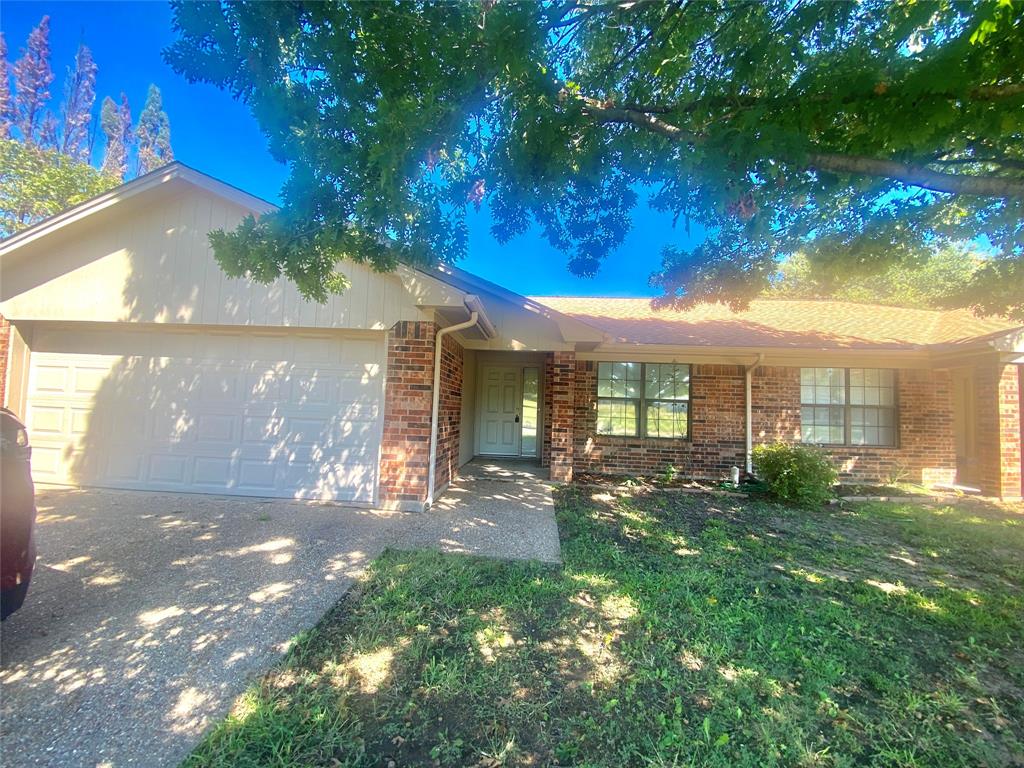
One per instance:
[(504, 469), (506, 426)]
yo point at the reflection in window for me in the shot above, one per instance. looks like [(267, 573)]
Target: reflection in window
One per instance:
[(643, 399), (851, 406), (530, 405)]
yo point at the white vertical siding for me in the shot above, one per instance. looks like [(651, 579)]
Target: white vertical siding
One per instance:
[(154, 264)]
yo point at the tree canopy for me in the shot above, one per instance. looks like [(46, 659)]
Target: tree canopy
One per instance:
[(860, 134), (932, 282), (36, 183)]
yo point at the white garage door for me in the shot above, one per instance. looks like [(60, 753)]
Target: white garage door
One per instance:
[(294, 415)]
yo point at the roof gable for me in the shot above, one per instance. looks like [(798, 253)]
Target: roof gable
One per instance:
[(174, 175)]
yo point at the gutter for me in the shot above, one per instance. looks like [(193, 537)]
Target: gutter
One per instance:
[(748, 371), (477, 316)]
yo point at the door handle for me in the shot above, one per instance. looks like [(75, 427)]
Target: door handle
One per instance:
[(517, 418)]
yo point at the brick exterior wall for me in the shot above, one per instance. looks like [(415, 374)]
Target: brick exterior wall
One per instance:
[(925, 453), (5, 346), (560, 397), (449, 415), (716, 442), (999, 429), (405, 448)]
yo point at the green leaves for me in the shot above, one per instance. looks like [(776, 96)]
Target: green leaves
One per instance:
[(394, 118), (36, 183)]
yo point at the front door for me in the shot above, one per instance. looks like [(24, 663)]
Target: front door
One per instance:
[(500, 418)]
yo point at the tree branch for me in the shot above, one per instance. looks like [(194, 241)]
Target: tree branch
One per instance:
[(911, 174), (641, 119), (918, 175), (743, 101)]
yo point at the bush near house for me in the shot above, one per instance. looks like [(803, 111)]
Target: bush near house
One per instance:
[(795, 473), (682, 630)]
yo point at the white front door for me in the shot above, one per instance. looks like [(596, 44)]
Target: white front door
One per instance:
[(499, 417)]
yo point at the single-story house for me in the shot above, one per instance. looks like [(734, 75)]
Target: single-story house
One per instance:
[(138, 364)]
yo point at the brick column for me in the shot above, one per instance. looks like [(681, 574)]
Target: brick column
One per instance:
[(449, 414), (560, 397), (998, 390), (405, 447)]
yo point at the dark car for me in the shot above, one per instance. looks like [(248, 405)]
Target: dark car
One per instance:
[(17, 513)]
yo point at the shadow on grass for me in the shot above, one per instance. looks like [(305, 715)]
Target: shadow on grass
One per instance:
[(681, 631)]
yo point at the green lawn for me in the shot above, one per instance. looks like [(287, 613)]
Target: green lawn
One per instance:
[(682, 630)]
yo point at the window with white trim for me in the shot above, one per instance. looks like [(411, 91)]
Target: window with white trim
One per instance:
[(643, 399), (848, 406)]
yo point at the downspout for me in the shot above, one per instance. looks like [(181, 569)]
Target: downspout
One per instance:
[(474, 316), (748, 371)]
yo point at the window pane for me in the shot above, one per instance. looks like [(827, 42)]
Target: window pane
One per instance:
[(604, 379), (873, 426), (822, 386), (666, 418), (872, 386), (667, 381), (822, 424), (616, 417), (618, 379), (531, 399)]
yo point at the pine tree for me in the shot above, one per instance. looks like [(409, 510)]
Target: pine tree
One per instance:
[(5, 91), (116, 123), (79, 97), (32, 78), (154, 134)]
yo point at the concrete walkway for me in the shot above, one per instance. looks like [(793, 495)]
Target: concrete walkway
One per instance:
[(149, 613), (496, 508)]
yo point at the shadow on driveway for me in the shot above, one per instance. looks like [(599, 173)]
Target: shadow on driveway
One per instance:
[(149, 613)]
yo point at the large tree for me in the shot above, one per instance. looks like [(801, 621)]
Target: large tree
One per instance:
[(932, 282), (32, 78), (857, 133), (76, 111), (6, 114), (116, 124), (153, 134), (36, 183)]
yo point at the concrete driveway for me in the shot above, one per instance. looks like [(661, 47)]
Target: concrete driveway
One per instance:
[(149, 613)]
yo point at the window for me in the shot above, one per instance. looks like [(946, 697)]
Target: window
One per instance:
[(531, 401), (848, 406), (643, 399)]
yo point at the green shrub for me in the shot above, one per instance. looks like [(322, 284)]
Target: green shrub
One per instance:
[(796, 473)]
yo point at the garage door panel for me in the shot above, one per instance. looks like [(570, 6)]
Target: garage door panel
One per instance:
[(290, 428), (213, 472), (217, 428), (50, 379), (80, 420), (48, 419), (86, 380), (124, 466), (168, 468), (257, 475)]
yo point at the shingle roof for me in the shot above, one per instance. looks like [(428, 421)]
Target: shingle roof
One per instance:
[(799, 324)]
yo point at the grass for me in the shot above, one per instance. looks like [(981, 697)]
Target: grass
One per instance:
[(682, 630)]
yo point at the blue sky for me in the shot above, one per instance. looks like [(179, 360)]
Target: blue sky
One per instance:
[(215, 134)]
